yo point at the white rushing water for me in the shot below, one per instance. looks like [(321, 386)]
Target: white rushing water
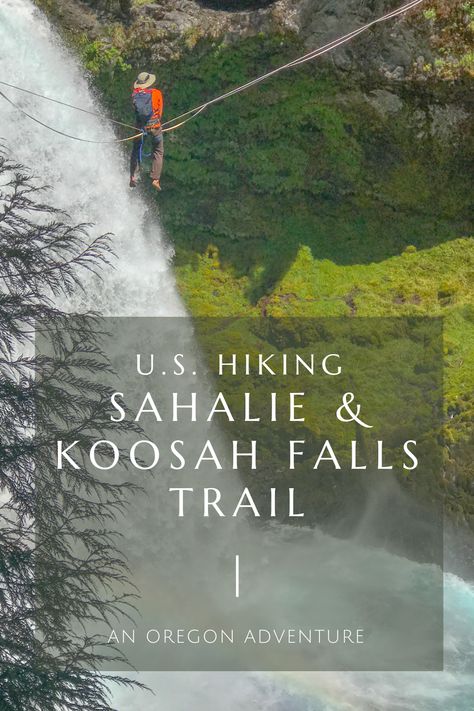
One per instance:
[(90, 182)]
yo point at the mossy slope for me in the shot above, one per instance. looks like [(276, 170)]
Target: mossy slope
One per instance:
[(316, 194)]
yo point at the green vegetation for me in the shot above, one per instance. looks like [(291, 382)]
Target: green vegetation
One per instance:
[(394, 366), (303, 198), (319, 194), (452, 26), (102, 60)]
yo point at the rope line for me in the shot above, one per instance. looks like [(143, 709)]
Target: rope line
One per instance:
[(166, 128), (64, 103), (188, 115), (171, 124), (62, 133)]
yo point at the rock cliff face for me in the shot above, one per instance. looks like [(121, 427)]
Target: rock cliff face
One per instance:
[(337, 190), (392, 50), (425, 42), (178, 22)]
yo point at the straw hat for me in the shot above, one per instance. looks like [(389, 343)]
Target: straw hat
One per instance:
[(144, 80)]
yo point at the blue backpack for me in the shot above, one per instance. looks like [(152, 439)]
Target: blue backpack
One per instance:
[(142, 103)]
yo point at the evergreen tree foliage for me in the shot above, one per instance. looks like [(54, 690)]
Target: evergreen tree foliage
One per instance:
[(60, 566)]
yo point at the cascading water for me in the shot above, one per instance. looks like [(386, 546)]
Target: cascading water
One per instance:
[(89, 180), (90, 183)]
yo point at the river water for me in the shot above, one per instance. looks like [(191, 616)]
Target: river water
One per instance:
[(90, 182)]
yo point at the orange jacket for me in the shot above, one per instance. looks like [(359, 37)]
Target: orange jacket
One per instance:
[(157, 104), (148, 104)]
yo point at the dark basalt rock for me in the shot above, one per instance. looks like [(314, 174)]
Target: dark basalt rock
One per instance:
[(235, 5), (391, 50)]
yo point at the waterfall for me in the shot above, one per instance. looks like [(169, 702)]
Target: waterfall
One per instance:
[(90, 183)]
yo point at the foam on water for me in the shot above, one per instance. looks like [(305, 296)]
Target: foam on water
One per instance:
[(90, 182), (451, 690)]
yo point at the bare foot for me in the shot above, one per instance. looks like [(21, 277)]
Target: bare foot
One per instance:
[(156, 184), (133, 182)]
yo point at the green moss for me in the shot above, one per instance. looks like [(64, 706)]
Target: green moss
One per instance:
[(452, 27), (102, 59), (303, 198)]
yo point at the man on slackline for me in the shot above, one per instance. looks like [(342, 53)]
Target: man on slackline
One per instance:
[(148, 105)]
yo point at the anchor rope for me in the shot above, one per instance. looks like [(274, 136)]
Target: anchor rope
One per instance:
[(182, 119)]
